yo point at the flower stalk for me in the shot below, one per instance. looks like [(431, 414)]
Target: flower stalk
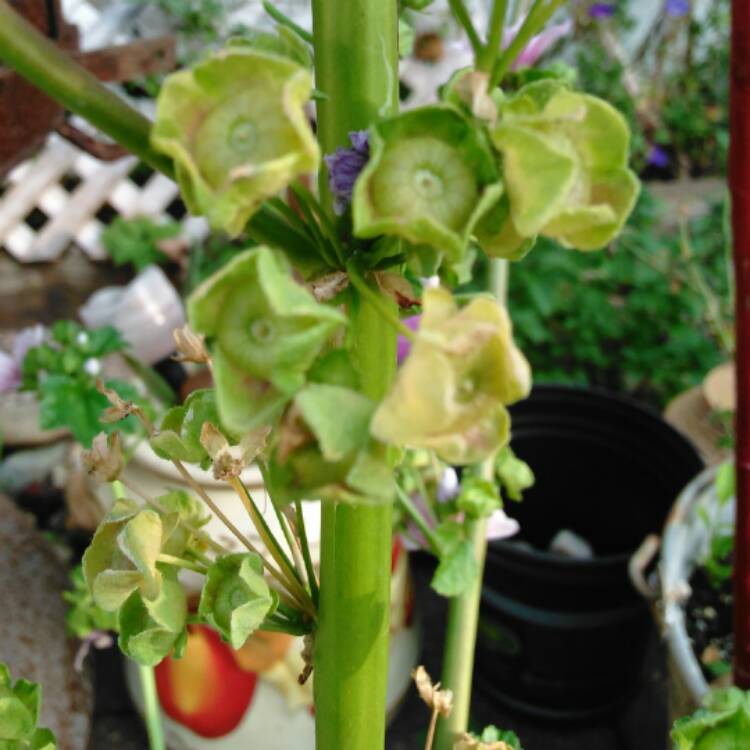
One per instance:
[(356, 59)]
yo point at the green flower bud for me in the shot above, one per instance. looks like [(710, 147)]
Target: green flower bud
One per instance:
[(565, 167), (236, 128), (450, 393), (152, 628), (179, 436), (122, 556), (430, 178), (178, 508), (265, 332), (236, 598)]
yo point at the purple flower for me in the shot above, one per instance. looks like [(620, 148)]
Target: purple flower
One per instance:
[(404, 345), (344, 166), (658, 157), (99, 639), (501, 526), (677, 8), (538, 45), (602, 10), (10, 364)]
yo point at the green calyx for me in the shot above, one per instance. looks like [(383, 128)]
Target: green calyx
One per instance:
[(321, 455), (236, 598), (265, 331), (151, 629), (431, 176), (565, 171), (723, 723), (236, 128), (179, 435), (450, 393), (123, 555), (19, 714)]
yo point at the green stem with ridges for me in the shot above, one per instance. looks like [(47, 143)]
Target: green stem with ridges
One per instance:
[(460, 642), (462, 16), (38, 59), (356, 60), (486, 61)]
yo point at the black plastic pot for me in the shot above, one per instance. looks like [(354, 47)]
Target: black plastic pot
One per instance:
[(561, 638)]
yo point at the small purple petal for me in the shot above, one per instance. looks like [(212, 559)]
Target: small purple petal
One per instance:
[(10, 373), (538, 45), (658, 157), (404, 345), (344, 166), (677, 8), (602, 10), (501, 526)]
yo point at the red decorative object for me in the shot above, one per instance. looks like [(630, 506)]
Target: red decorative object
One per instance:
[(207, 690), (739, 179)]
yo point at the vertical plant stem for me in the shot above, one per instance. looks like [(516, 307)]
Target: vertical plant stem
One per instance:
[(356, 63), (151, 711), (486, 61), (460, 641), (306, 556), (739, 177), (39, 60)]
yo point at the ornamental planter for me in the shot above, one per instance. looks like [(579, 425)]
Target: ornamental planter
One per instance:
[(218, 699), (563, 638), (685, 539)]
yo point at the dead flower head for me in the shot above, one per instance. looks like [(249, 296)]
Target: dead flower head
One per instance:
[(229, 461), (191, 347), (104, 461), (439, 701), (120, 408)]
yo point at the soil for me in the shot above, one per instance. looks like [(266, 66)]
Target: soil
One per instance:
[(709, 624)]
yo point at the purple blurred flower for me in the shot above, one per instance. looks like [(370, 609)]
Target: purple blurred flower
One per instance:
[(99, 639), (10, 364), (538, 45), (602, 10), (404, 345), (677, 8), (344, 166), (449, 486), (658, 157)]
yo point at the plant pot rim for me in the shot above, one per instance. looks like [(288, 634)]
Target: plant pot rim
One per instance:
[(685, 535)]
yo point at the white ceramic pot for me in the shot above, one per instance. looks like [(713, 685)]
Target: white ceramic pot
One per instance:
[(685, 541), (218, 699)]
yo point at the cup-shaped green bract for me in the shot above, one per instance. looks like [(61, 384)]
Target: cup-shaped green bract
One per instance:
[(182, 516), (236, 128), (723, 723), (332, 454), (430, 178), (565, 170), (264, 330), (179, 435), (236, 598), (150, 629), (450, 393), (123, 554)]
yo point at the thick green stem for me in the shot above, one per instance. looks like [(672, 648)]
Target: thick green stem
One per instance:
[(356, 61), (486, 61), (39, 60), (460, 641), (151, 712)]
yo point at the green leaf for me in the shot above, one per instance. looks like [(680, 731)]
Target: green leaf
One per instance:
[(478, 498), (514, 474), (236, 598), (19, 714), (136, 241), (140, 540), (458, 567)]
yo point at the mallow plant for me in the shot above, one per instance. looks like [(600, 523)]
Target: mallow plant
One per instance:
[(300, 328)]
